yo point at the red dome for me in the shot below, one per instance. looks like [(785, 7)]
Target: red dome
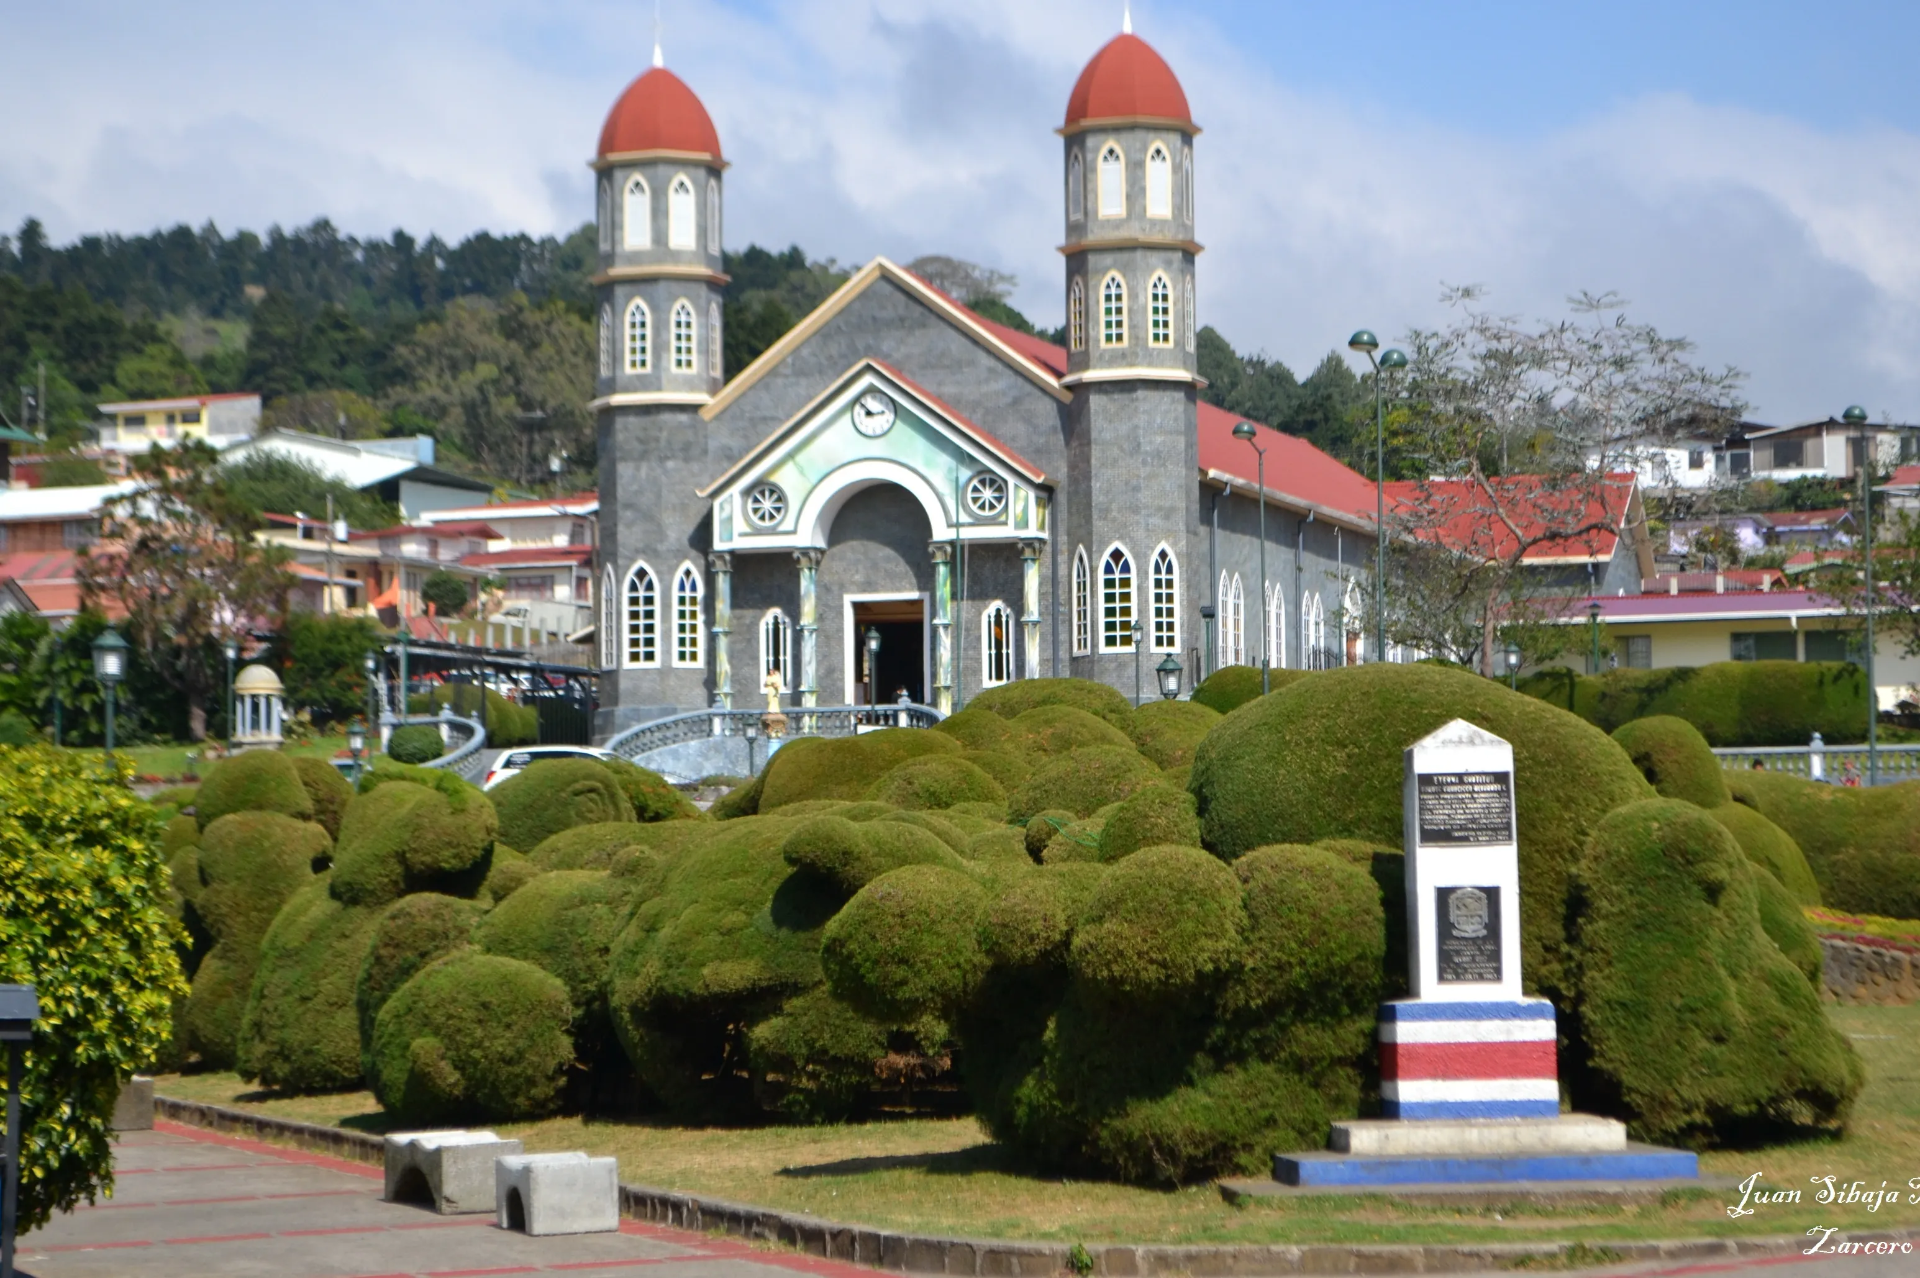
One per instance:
[(1127, 79), (658, 112)]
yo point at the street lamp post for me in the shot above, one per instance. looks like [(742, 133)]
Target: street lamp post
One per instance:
[(1857, 416), (109, 667), (1169, 671), (1513, 666), (1593, 634), (873, 665), (357, 747), (1136, 633), (1365, 342), (1245, 431), (232, 650)]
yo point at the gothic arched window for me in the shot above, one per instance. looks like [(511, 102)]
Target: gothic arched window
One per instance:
[(1116, 601), (684, 350), (1076, 187), (643, 617), (1113, 310), (1277, 627), (1236, 626), (1186, 179), (713, 339), (1113, 181), (606, 214), (1164, 583), (1082, 604), (1077, 314), (1313, 633), (680, 231), (609, 621), (1159, 310), (639, 337), (996, 645), (1159, 182), (636, 216), (776, 648), (713, 216), (688, 650)]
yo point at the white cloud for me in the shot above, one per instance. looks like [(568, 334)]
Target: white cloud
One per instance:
[(912, 126)]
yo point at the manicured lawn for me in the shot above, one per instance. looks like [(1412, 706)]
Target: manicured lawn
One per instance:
[(945, 1176), (170, 761)]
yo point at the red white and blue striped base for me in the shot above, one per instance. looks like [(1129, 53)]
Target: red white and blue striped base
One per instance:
[(1468, 1060)]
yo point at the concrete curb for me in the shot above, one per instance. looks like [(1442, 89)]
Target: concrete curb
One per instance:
[(993, 1258)]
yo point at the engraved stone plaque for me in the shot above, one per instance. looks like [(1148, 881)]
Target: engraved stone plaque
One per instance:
[(1467, 934), (1465, 808)]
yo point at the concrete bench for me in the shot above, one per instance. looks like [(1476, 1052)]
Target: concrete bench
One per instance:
[(451, 1171), (557, 1194)]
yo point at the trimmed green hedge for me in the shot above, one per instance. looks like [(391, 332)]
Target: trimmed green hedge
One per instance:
[(1049, 731), (442, 1052), (1862, 843), (252, 781), (1323, 760), (1772, 849), (330, 791), (413, 932), (1230, 687), (403, 837), (851, 854), (415, 743), (1675, 759), (1732, 703), (808, 768), (551, 795), (563, 922), (1083, 781), (508, 724), (652, 796), (937, 781), (1153, 814), (906, 944), (1161, 922), (1696, 1028), (1010, 700), (1168, 732), (301, 1031), (586, 847)]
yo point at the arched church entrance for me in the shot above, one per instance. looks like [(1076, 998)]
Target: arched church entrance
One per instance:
[(876, 585)]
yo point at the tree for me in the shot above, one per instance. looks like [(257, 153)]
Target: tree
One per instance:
[(445, 591), (271, 483), (320, 660), (158, 370), (179, 558), (21, 634), (341, 414), (68, 470), (1518, 431)]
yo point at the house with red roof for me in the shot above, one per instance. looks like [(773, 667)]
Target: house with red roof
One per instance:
[(901, 497)]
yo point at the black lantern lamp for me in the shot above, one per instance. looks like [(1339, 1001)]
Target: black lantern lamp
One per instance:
[(357, 747), (873, 665), (751, 730), (1169, 670), (1593, 626), (110, 667)]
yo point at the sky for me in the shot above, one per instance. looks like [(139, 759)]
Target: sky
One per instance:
[(1746, 174)]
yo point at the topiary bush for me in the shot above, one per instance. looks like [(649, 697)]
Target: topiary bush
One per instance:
[(508, 873), (975, 728), (1675, 759), (1230, 687), (1323, 759), (439, 1052), (1772, 849), (813, 1060), (1695, 1027), (552, 795), (1011, 700), (403, 837), (906, 944), (1151, 815), (83, 919), (1048, 731), (936, 781), (1732, 703), (1863, 844), (1164, 921), (848, 854), (248, 865), (329, 791), (252, 781), (1168, 732), (301, 1031), (415, 743), (586, 847), (844, 767), (1082, 781), (411, 933), (742, 800), (652, 797), (563, 922), (508, 723)]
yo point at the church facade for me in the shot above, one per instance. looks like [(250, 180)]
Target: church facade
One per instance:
[(900, 496)]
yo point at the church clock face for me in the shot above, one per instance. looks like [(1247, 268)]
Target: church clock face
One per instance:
[(873, 414)]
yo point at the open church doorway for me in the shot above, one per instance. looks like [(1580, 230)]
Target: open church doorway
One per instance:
[(901, 662)]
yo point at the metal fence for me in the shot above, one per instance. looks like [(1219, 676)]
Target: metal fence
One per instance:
[(1818, 761), (467, 738), (821, 721)]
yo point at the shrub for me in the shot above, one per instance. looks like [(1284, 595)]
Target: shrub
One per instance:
[(1732, 703), (906, 944), (1674, 758), (1230, 687), (508, 873), (1772, 849), (177, 797), (1785, 922), (415, 743), (1696, 1027), (411, 933), (843, 768), (1159, 924), (181, 831), (15, 730), (812, 1061), (404, 837), (1038, 830), (1048, 731), (554, 795), (975, 728), (936, 781), (83, 919), (1168, 732), (1863, 844), (1082, 782), (1151, 815), (586, 847), (1323, 760), (1011, 700), (742, 800), (301, 1031), (252, 781), (508, 723), (1006, 769), (849, 855), (564, 923), (329, 791), (248, 864), (652, 797), (445, 591), (440, 1054)]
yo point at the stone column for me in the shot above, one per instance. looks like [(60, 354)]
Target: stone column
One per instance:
[(809, 561), (1030, 605), (720, 568), (943, 626)]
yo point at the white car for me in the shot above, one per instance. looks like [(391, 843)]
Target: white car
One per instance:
[(510, 762)]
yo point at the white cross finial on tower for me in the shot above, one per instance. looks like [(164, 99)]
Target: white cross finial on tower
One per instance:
[(1126, 17), (659, 59)]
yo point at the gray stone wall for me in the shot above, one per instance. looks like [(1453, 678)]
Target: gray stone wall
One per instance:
[(1304, 555)]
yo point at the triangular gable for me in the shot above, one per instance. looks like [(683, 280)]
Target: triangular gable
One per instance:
[(934, 300)]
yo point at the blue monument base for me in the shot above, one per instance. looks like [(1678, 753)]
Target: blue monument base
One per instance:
[(1635, 1162)]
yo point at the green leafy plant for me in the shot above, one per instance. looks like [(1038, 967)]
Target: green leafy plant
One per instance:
[(415, 743)]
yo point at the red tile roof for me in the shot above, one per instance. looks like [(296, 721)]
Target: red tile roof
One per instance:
[(658, 112), (1127, 79), (39, 566), (1295, 468), (1458, 514)]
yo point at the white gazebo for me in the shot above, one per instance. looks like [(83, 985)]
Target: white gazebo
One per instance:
[(259, 708)]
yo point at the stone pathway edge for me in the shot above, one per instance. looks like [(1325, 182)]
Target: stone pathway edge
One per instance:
[(993, 1258)]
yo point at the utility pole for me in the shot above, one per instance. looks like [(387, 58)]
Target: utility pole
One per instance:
[(326, 590)]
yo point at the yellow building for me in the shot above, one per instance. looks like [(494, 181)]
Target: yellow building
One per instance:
[(137, 425)]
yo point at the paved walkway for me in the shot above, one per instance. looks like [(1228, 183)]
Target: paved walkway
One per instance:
[(190, 1202)]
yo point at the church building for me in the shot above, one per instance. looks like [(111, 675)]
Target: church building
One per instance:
[(901, 476)]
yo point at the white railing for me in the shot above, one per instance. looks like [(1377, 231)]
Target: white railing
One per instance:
[(1818, 761), (464, 759), (820, 721)]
